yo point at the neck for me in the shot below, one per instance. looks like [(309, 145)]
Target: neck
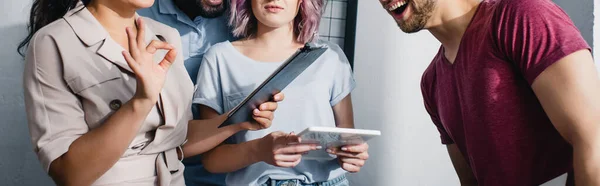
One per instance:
[(449, 25), (275, 37), (113, 16)]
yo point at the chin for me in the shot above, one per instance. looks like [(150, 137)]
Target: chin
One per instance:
[(140, 4), (274, 21), (410, 26), (274, 24)]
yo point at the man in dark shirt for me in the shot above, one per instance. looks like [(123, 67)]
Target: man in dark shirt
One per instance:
[(513, 89)]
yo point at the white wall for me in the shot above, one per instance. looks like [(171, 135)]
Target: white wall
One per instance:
[(18, 163), (388, 68)]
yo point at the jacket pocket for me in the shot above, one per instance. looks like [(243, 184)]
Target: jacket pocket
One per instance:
[(84, 82)]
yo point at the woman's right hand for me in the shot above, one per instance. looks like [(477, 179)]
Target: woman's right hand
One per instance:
[(149, 75), (283, 150), (263, 115)]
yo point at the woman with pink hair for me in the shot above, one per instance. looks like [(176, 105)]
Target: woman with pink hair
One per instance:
[(272, 31)]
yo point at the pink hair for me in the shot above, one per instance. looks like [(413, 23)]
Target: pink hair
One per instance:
[(306, 23)]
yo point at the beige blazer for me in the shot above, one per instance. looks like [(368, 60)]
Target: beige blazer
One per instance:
[(75, 78)]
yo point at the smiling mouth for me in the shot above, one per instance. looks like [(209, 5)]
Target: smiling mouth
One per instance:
[(397, 9)]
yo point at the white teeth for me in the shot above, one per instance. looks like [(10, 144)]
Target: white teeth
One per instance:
[(397, 5)]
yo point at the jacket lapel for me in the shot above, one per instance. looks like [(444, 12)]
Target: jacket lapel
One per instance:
[(111, 51), (91, 32), (173, 101), (165, 104)]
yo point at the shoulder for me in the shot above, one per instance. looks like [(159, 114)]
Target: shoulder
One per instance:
[(45, 42), (334, 52), (219, 48), (332, 47), (515, 8), (56, 30), (520, 3), (44, 50), (217, 54)]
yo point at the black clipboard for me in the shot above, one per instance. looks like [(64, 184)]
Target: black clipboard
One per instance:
[(275, 83)]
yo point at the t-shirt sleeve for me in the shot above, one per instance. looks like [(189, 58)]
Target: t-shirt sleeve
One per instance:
[(426, 89), (208, 90), (343, 79), (534, 34), (54, 113)]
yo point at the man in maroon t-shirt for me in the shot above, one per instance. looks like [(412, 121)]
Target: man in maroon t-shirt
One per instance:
[(513, 90)]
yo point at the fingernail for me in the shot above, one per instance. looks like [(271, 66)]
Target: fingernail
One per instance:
[(344, 148), (319, 147), (329, 151), (256, 111)]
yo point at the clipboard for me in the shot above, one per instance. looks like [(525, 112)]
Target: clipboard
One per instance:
[(333, 137), (275, 83)]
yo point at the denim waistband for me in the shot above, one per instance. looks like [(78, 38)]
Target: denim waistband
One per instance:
[(272, 182)]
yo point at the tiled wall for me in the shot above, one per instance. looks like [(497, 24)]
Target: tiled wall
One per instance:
[(333, 22)]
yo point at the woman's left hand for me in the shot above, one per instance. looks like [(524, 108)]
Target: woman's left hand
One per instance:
[(352, 157), (263, 115)]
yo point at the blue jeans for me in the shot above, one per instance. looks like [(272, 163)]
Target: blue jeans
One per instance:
[(339, 181)]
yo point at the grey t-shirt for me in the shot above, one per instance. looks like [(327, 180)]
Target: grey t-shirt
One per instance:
[(226, 77)]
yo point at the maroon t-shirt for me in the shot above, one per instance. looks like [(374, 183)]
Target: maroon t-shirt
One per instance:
[(484, 102)]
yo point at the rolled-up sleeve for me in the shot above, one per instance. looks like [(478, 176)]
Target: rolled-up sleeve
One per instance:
[(208, 87), (55, 115), (343, 80)]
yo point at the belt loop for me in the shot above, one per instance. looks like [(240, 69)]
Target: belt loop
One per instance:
[(180, 150), (172, 160), (180, 147)]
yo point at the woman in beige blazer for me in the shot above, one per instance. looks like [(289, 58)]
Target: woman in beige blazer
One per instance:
[(108, 98)]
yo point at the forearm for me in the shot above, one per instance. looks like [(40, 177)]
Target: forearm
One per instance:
[(94, 153), (204, 135), (586, 162), (231, 157), (342, 112), (586, 146)]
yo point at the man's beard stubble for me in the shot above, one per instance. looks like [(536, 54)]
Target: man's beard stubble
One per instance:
[(419, 16)]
